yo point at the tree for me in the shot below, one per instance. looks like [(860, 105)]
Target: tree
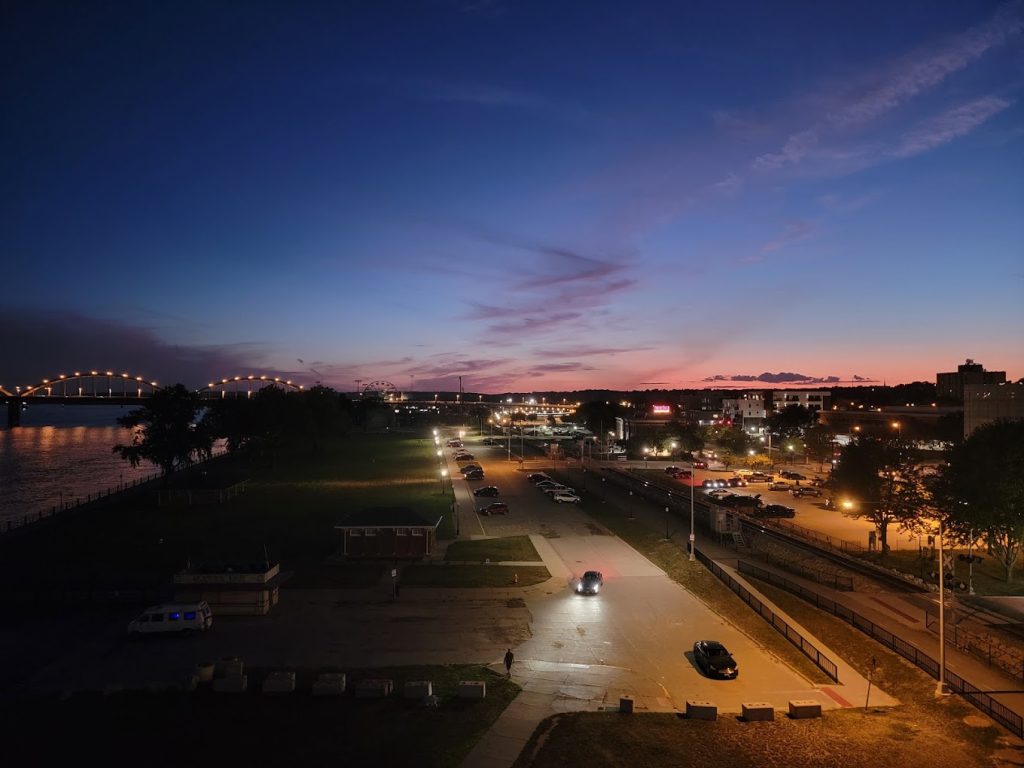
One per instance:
[(791, 421), (981, 490), (876, 481), (166, 433), (599, 416), (735, 440), (819, 443)]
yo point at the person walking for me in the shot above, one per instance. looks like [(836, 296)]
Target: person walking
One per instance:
[(509, 658)]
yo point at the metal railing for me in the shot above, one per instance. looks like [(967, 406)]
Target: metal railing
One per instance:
[(999, 712), (807, 648)]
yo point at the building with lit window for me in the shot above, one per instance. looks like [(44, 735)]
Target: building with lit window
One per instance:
[(950, 386)]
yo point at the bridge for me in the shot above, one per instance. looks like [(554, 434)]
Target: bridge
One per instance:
[(108, 387)]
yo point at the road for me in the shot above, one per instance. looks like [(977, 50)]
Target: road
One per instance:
[(636, 635)]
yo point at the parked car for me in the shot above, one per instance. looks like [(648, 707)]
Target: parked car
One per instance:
[(591, 583), (736, 482), (536, 477), (718, 493), (173, 617), (559, 489), (776, 510), (671, 470), (454, 443), (494, 508), (759, 477), (741, 501), (818, 482), (470, 468), (487, 490), (464, 456), (682, 474), (805, 490), (476, 474), (788, 475), (714, 659), (712, 482), (565, 497), (700, 465), (549, 483), (778, 485)]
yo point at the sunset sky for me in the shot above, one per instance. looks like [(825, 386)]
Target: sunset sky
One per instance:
[(530, 195)]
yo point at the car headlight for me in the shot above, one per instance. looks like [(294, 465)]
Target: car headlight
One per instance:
[(596, 588), (579, 587)]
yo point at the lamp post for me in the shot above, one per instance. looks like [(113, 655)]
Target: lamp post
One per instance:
[(940, 687), (444, 474), (646, 450), (631, 515), (604, 489), (693, 537)]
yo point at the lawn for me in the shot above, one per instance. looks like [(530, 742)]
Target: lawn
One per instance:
[(203, 728), (506, 549), (288, 511), (989, 575), (473, 575)]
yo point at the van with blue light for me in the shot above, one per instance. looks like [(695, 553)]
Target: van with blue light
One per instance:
[(173, 617)]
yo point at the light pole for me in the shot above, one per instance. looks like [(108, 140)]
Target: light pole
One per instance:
[(940, 688), (631, 516), (646, 450), (444, 474), (693, 537)]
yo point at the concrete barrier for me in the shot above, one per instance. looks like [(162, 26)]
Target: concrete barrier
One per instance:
[(228, 667), (373, 689), (626, 705), (758, 711), (803, 708), (329, 684), (204, 672), (279, 682), (701, 710), (417, 689), (472, 689), (232, 684)]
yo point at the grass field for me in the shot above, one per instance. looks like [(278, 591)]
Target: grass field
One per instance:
[(252, 728), (288, 510), (989, 575), (505, 549), (473, 575)]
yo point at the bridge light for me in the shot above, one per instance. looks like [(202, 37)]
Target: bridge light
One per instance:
[(287, 382), (209, 385), (153, 384), (77, 373), (93, 373), (251, 377), (238, 378), (110, 373), (46, 381), (263, 378), (223, 381), (276, 379), (63, 376), (138, 378)]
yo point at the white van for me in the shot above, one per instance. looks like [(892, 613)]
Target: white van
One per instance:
[(173, 617)]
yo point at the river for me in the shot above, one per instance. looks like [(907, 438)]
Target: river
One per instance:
[(62, 453)]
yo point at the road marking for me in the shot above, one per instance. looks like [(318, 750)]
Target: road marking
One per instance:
[(836, 697)]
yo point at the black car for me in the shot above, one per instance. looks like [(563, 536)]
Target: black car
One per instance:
[(487, 490), (714, 659), (736, 482), (470, 468), (672, 470), (496, 508), (464, 457), (791, 475), (536, 477), (712, 483), (776, 510), (476, 474), (805, 490), (590, 584)]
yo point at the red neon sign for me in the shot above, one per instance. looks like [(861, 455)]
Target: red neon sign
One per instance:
[(662, 408)]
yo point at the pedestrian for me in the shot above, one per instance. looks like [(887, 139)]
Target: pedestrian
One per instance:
[(509, 658)]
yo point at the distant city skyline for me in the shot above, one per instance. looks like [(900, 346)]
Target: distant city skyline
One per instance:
[(527, 195)]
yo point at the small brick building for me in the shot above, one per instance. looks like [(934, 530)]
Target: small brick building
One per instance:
[(387, 532)]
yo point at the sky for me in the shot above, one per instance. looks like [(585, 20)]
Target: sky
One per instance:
[(529, 195)]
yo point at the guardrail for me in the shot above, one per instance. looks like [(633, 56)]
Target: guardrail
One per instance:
[(999, 712), (807, 648)]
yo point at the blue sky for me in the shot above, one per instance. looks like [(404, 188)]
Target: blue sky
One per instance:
[(529, 195)]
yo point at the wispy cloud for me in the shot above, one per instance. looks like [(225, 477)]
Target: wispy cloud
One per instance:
[(586, 351), (957, 122), (560, 367), (923, 70), (828, 142)]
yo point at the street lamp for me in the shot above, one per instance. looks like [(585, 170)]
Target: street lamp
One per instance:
[(693, 538), (646, 450), (444, 474), (940, 687)]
